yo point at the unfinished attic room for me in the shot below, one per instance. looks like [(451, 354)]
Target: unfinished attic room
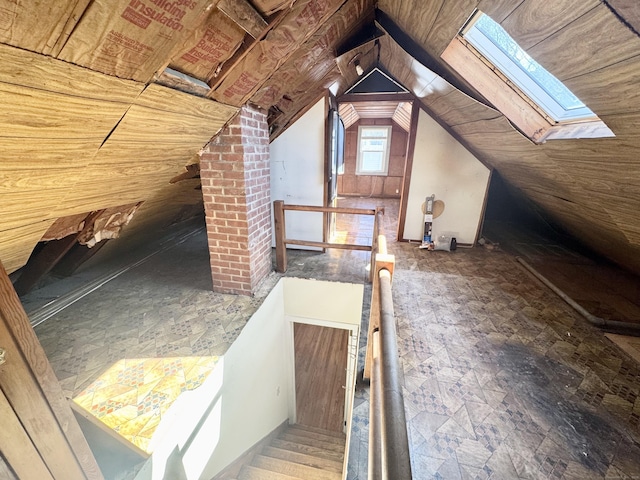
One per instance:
[(320, 239)]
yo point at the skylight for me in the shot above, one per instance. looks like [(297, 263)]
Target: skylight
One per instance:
[(539, 105), (547, 91)]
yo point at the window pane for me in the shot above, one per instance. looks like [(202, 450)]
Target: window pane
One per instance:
[(501, 39), (376, 145), (374, 132), (372, 161)]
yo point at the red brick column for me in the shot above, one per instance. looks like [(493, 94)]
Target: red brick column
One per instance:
[(234, 169)]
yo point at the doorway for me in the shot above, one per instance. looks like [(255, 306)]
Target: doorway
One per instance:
[(321, 363)]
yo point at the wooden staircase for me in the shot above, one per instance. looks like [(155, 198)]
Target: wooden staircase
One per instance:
[(298, 453)]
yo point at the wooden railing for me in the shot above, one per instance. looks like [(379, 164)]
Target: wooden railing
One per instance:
[(282, 241), (388, 441)]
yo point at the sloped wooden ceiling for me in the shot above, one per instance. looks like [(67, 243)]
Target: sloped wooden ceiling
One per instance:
[(590, 186), (91, 119)]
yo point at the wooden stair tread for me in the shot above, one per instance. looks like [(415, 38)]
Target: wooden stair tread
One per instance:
[(308, 450), (313, 442), (250, 472), (329, 433), (296, 470), (316, 435), (303, 458)]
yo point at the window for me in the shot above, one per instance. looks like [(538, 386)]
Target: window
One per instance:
[(539, 104), (373, 150)]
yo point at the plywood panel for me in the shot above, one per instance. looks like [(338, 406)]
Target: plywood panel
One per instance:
[(20, 67), (581, 47), (18, 154), (627, 9), (26, 207), (165, 99), (498, 10), (162, 115), (16, 247), (416, 22), (610, 90), (418, 79), (535, 20), (449, 21), (139, 158), (37, 114), (456, 108)]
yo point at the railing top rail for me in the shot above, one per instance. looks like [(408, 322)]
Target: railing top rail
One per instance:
[(315, 208)]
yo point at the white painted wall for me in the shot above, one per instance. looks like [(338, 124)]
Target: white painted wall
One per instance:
[(331, 302), (251, 391), (244, 399), (297, 173), (443, 167)]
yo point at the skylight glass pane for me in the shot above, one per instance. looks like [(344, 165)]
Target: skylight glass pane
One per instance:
[(554, 87), (549, 93)]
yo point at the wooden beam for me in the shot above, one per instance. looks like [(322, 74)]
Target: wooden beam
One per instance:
[(281, 247), (339, 246), (347, 210), (376, 97), (408, 167), (243, 13), (36, 399), (241, 53)]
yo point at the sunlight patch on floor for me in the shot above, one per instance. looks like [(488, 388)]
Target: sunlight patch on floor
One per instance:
[(132, 396)]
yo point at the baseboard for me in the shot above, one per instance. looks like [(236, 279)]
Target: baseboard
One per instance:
[(233, 469)]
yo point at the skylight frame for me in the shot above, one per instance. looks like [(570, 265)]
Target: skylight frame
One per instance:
[(515, 72)]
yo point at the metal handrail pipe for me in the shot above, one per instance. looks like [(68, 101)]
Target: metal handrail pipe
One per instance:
[(396, 463), (375, 414)]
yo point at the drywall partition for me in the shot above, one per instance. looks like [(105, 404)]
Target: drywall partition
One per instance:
[(329, 304), (297, 173), (251, 391), (326, 303), (443, 167), (245, 398)]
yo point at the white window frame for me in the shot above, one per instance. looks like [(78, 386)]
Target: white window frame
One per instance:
[(386, 151), (530, 110), (507, 66)]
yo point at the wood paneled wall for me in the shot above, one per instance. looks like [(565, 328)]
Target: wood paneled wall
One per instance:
[(388, 186)]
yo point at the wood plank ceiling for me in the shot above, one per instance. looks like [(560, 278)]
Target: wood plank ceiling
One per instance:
[(92, 119)]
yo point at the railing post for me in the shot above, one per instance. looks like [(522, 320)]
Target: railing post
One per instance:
[(281, 247), (377, 221), (385, 261)]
